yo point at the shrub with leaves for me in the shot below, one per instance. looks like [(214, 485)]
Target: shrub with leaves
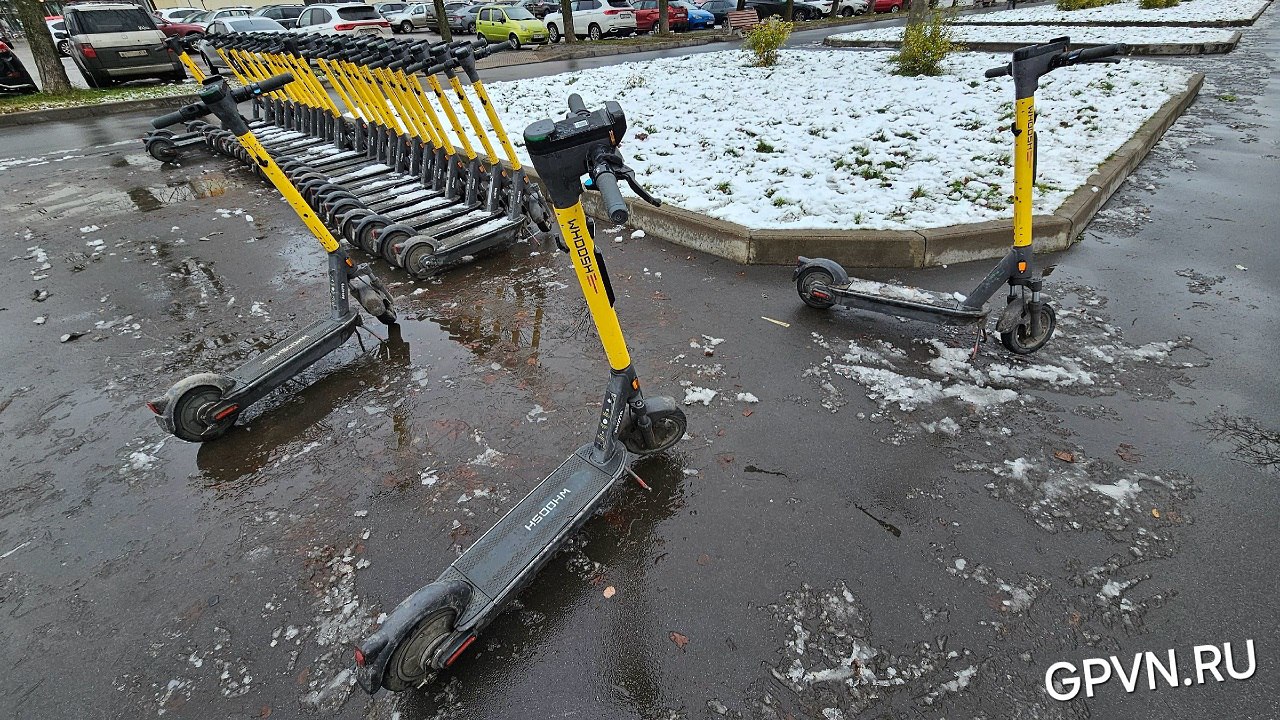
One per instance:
[(925, 44), (1083, 4), (765, 39), (1156, 4)]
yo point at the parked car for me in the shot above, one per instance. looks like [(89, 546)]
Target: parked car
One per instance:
[(208, 16), (450, 8), (463, 18), (286, 15), (232, 25), (177, 14), (178, 29), (411, 18), (58, 29), (699, 19), (719, 9), (510, 23), (14, 78), (799, 11), (892, 6), (647, 16), (390, 8), (346, 19), (849, 8), (539, 8), (594, 19), (111, 42)]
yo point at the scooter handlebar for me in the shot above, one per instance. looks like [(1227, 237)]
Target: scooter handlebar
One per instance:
[(614, 206), (186, 113), (996, 72), (576, 106), (1101, 52)]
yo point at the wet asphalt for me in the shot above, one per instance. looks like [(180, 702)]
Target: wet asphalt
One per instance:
[(824, 532)]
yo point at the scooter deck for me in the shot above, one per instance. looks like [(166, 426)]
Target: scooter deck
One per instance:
[(296, 351), (530, 533), (909, 302)]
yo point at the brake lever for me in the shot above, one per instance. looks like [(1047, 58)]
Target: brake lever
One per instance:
[(1100, 60), (629, 175)]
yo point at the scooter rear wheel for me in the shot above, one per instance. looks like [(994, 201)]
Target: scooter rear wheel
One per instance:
[(1020, 341), (410, 663), (669, 427), (805, 283), (187, 424)]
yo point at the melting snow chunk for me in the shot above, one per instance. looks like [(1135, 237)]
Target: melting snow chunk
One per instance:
[(697, 394)]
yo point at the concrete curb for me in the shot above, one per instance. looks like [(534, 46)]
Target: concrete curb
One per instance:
[(905, 248), (1151, 23), (32, 117), (1204, 48)]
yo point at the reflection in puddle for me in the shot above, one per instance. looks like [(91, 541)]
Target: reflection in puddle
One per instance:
[(73, 200)]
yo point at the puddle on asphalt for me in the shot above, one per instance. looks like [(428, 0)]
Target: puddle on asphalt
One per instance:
[(64, 201)]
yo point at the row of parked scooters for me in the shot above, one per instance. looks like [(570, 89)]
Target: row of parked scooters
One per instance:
[(386, 173)]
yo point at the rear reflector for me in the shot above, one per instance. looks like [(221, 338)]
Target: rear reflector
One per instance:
[(226, 412), (153, 407), (88, 50), (359, 657)]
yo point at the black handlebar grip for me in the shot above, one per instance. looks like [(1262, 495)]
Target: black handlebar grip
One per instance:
[(186, 112), (1102, 51), (996, 72), (272, 84), (614, 206), (577, 107), (499, 47)]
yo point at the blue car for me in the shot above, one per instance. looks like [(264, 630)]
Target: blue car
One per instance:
[(699, 19)]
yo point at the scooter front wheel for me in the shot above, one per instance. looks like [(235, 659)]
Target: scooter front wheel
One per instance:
[(669, 426), (410, 663), (1020, 340)]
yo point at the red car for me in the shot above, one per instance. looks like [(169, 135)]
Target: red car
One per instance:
[(647, 16), (180, 29), (891, 6)]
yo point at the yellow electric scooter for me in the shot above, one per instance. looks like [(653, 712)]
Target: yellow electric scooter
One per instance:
[(1028, 320), (203, 406)]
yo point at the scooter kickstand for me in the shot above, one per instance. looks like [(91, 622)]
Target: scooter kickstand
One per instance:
[(977, 342), (638, 479)]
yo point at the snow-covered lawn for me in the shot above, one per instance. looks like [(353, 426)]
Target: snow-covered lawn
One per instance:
[(831, 139), (1029, 34), (1188, 11)]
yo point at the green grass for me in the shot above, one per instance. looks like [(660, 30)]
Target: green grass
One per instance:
[(82, 98)]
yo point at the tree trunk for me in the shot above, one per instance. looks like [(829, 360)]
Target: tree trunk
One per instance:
[(917, 11), (664, 21), (835, 9), (742, 5), (790, 11), (53, 76), (442, 21), (566, 12)]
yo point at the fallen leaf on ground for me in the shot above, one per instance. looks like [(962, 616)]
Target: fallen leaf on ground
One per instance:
[(1127, 453), (679, 640), (1064, 456), (609, 592), (71, 336), (1155, 513)]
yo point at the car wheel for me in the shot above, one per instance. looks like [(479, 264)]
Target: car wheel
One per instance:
[(64, 48), (846, 12), (515, 41), (895, 8), (471, 27), (553, 34), (594, 32), (406, 27)]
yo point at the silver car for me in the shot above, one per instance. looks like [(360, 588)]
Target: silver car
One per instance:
[(232, 25), (114, 42)]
